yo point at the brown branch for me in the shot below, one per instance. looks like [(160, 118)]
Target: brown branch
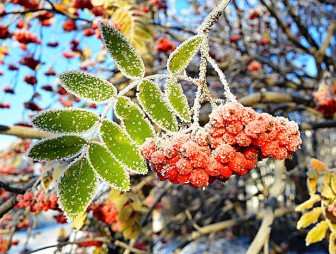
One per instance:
[(9, 188), (10, 203), (275, 97), (304, 30), (24, 132), (286, 30)]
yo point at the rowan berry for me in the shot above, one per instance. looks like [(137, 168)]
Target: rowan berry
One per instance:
[(199, 178)]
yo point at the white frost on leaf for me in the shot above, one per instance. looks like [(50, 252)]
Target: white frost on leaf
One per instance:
[(57, 147), (87, 86), (76, 188), (125, 56), (107, 167), (68, 120)]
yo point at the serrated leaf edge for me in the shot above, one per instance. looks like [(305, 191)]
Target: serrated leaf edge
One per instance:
[(177, 50), (50, 138), (164, 101), (132, 142), (89, 74), (103, 178), (141, 112), (62, 109), (172, 107), (69, 218), (121, 69)]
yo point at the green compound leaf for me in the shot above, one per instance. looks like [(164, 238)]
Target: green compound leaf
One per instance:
[(181, 57), (87, 86), (62, 147), (127, 59), (150, 98), (69, 120), (134, 120), (76, 188), (108, 167), (121, 146), (177, 100)]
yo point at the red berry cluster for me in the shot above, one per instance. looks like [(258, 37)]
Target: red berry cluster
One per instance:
[(25, 37), (69, 25), (4, 31), (165, 45), (28, 4), (326, 101), (89, 243), (37, 202), (107, 213), (82, 4), (234, 140), (30, 79), (30, 61)]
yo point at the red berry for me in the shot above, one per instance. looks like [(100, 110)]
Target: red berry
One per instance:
[(224, 153), (270, 148), (184, 166), (238, 163), (199, 178)]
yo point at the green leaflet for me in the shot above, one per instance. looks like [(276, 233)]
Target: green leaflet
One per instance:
[(69, 120), (76, 188), (177, 100), (181, 57), (87, 86), (120, 145), (150, 98), (127, 59), (61, 147), (108, 167), (134, 120)]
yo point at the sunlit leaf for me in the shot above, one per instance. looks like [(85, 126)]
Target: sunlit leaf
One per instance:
[(318, 165), (107, 167), (327, 178), (79, 222), (121, 146), (76, 188), (69, 120), (332, 243), (120, 201), (327, 192), (134, 120), (317, 233), (127, 59), (333, 181), (151, 100), (56, 148), (181, 57), (309, 218), (177, 100), (87, 86), (308, 204), (124, 213)]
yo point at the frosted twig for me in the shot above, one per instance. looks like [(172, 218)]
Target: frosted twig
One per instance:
[(129, 88), (213, 17)]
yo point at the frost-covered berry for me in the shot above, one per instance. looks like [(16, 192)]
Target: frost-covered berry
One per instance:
[(224, 153), (199, 178), (158, 157), (238, 163), (148, 148), (184, 166)]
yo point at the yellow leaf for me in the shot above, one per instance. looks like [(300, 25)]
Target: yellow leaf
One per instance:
[(311, 185), (327, 192), (318, 165), (327, 178), (101, 56), (312, 174), (127, 224), (309, 218), (114, 194), (86, 53), (100, 250), (332, 246), (79, 222), (132, 232), (333, 181), (317, 233), (308, 204), (124, 213), (97, 2), (121, 201)]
